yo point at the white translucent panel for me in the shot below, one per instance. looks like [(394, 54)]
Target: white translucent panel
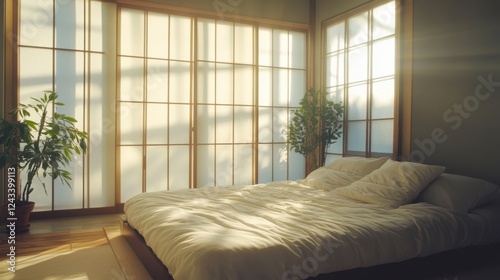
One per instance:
[(358, 64), (156, 168), (224, 124), (131, 79), (265, 86), (280, 124), (243, 124), (179, 168), (297, 49), (280, 87), (224, 165), (382, 136), (131, 123), (243, 164), (34, 80), (180, 39), (335, 73), (265, 125), (330, 158), (243, 85), (206, 124), (297, 166), (158, 35), (206, 82), (224, 83), (357, 102), (383, 62), (224, 42), (42, 197), (102, 21), (206, 39), (132, 32), (179, 126), (356, 140), (243, 43), (130, 172), (297, 87), (265, 47), (335, 94), (157, 81), (280, 48), (205, 166), (335, 37), (70, 25), (358, 29), (337, 146), (180, 82), (265, 165), (383, 99), (157, 124), (280, 162), (36, 23), (384, 20), (66, 197)]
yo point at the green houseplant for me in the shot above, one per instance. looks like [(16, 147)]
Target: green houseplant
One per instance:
[(40, 146), (316, 124)]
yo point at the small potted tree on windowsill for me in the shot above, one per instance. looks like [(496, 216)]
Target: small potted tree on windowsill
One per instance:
[(40, 147)]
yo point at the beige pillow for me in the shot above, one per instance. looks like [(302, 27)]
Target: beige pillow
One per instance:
[(356, 165), (328, 179), (393, 184)]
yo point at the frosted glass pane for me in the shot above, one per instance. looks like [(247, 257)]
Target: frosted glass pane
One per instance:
[(66, 197), (357, 98), (157, 35), (131, 123), (179, 126), (70, 25), (178, 168), (224, 165), (157, 124), (280, 87), (243, 164), (180, 82), (382, 136), (132, 32), (297, 86), (36, 23), (130, 172), (224, 41), (358, 29), (180, 39), (336, 94), (156, 169), (297, 166), (243, 40), (335, 65), (34, 80), (358, 64), (43, 200), (383, 99), (102, 20), (280, 123), (384, 20), (206, 39), (206, 124), (206, 82), (265, 166), (265, 46), (131, 79), (265, 125), (265, 86), (357, 136), (297, 51), (280, 48), (224, 124), (337, 147), (157, 89), (243, 124), (280, 162), (335, 37), (224, 84), (206, 167), (243, 85), (384, 58)]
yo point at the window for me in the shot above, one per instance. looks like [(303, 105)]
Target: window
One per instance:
[(360, 71)]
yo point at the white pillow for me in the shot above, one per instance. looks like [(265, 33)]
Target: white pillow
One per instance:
[(460, 193), (356, 165), (328, 179), (393, 184)]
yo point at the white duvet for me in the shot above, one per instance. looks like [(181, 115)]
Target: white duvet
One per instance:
[(289, 230)]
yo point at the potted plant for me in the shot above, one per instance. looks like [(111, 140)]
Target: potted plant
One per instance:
[(40, 147), (316, 124)]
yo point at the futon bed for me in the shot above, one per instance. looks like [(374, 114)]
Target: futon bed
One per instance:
[(351, 213)]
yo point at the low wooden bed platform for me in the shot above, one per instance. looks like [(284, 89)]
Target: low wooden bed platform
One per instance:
[(439, 265)]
